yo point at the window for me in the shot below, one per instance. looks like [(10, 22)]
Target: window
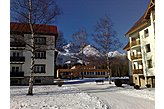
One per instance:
[(15, 69), (40, 55), (15, 81), (40, 68), (146, 33), (149, 63), (15, 54), (38, 81), (40, 40), (148, 48)]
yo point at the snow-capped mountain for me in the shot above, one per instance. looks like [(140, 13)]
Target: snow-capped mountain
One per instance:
[(115, 53), (90, 51), (68, 56)]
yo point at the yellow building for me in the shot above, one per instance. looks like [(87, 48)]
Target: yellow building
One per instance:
[(141, 48)]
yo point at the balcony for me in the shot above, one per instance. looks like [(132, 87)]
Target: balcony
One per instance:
[(138, 71), (16, 74), (17, 44), (135, 42), (17, 59), (138, 56)]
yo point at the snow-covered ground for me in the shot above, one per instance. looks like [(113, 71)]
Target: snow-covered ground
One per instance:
[(82, 94), (125, 97), (53, 97)]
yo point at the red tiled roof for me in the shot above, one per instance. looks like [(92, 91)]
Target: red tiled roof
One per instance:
[(38, 28)]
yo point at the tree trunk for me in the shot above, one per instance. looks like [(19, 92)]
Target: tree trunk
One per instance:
[(30, 91), (107, 64)]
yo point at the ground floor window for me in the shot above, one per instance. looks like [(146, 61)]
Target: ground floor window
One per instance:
[(37, 80)]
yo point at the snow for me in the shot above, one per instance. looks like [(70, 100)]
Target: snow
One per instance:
[(125, 97), (82, 94), (53, 97), (91, 51), (115, 53)]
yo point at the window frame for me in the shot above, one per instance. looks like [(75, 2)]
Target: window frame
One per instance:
[(146, 32), (149, 63), (39, 68), (40, 40), (15, 69), (40, 54), (148, 48)]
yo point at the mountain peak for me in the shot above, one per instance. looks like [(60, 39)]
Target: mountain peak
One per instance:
[(115, 53), (89, 50)]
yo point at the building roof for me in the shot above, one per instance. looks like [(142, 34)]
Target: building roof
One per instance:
[(136, 25), (127, 47), (38, 28), (150, 7), (143, 19)]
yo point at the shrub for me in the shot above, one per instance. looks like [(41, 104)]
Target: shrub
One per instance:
[(118, 83), (60, 83), (148, 85), (137, 87)]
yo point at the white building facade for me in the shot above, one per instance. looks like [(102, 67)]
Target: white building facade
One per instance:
[(141, 48), (20, 53)]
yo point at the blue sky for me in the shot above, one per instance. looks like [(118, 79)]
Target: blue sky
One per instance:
[(85, 13)]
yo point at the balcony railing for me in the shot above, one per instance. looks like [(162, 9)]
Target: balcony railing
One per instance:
[(16, 74), (17, 44), (17, 59), (138, 71), (138, 56), (135, 42)]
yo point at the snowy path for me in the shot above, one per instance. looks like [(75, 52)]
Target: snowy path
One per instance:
[(120, 98)]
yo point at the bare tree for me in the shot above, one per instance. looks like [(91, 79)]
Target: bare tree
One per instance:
[(61, 41), (34, 12), (105, 37), (80, 40)]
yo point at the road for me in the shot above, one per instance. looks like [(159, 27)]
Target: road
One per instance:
[(110, 95)]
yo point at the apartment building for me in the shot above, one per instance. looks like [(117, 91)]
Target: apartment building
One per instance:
[(141, 48), (20, 53)]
